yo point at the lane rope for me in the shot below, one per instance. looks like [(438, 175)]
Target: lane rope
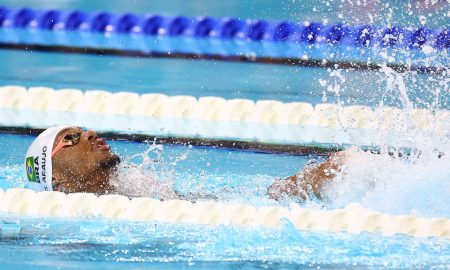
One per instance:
[(305, 43), (217, 109), (352, 219), (225, 28)]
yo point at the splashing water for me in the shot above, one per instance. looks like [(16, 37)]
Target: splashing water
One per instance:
[(418, 184), (394, 81), (157, 174), (141, 179)]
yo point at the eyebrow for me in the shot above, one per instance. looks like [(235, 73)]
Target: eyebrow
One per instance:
[(64, 130)]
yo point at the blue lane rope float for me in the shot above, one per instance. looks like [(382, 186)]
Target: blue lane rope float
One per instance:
[(224, 28), (256, 38)]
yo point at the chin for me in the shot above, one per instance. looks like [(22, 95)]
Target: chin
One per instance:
[(109, 162)]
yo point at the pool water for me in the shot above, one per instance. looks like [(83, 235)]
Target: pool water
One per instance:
[(213, 78), (417, 186), (94, 244)]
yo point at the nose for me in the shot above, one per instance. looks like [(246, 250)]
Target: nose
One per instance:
[(90, 135)]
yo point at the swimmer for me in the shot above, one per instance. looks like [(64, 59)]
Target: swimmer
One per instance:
[(70, 159)]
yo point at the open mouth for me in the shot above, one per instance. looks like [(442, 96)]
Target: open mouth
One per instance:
[(101, 145)]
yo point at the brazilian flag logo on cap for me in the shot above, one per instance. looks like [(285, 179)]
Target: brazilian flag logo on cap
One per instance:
[(29, 163)]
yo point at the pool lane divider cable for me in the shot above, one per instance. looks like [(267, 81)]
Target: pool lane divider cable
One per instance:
[(352, 219), (229, 39), (217, 121)]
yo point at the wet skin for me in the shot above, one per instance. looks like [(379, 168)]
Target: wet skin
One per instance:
[(310, 180), (85, 166)]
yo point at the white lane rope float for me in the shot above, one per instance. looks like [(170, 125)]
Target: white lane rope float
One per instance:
[(213, 108), (214, 117), (352, 219)]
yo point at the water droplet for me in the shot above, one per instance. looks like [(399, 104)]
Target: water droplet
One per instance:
[(422, 19), (426, 49)]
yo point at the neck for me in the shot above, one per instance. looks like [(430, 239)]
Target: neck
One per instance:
[(96, 182)]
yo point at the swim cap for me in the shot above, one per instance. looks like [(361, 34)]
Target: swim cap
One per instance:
[(38, 160)]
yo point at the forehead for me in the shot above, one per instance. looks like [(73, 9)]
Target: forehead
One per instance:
[(69, 130)]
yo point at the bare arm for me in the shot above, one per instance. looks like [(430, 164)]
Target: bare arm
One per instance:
[(310, 180)]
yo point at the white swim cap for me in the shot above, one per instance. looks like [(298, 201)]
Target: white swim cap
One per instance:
[(38, 160)]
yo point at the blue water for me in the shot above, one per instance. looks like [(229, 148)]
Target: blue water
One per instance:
[(212, 78), (419, 188), (96, 244)]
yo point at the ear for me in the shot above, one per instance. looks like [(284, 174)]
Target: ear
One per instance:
[(54, 183)]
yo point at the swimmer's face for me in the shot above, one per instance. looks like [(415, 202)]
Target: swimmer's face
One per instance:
[(82, 162)]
